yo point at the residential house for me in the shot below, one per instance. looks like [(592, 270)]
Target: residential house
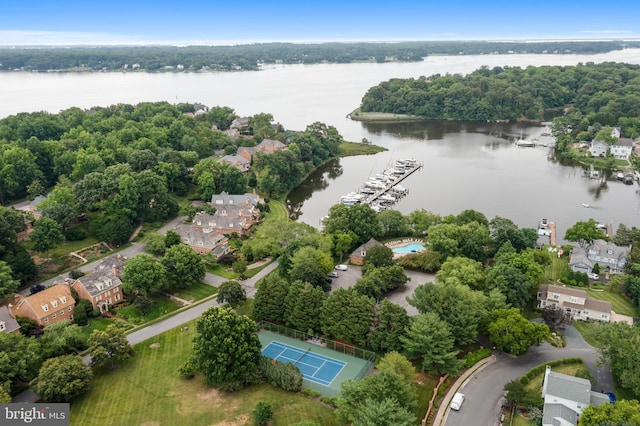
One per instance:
[(574, 302), (239, 162), (202, 239), (32, 213), (241, 124), (610, 257), (222, 222), (267, 146), (358, 255), (598, 148), (232, 133), (565, 397), (46, 307), (103, 286), (8, 323), (226, 199), (622, 148)]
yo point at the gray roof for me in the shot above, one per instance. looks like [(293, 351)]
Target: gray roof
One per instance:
[(546, 288), (225, 198), (558, 415), (598, 398), (366, 246), (233, 159), (569, 387), (10, 323), (197, 236), (105, 277), (602, 247), (579, 255), (597, 305), (624, 142)]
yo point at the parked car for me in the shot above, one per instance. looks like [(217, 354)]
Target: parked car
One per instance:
[(457, 401), (593, 276), (341, 267), (333, 274)]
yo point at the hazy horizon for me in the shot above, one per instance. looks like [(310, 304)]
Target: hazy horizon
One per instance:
[(200, 22)]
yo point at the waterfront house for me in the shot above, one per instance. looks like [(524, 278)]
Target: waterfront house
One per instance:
[(225, 199), (103, 286), (46, 307), (358, 255), (609, 256), (598, 148), (574, 302), (8, 323), (622, 149), (565, 397)]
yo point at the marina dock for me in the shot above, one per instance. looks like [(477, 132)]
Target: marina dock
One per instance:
[(383, 189)]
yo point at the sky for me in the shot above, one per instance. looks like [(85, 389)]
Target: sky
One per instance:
[(106, 22)]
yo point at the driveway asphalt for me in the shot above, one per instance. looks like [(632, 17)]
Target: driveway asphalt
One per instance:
[(484, 390), (398, 296)]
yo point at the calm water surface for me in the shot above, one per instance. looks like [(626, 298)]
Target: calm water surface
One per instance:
[(467, 165)]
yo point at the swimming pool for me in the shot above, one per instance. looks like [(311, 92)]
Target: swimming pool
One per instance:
[(409, 248)]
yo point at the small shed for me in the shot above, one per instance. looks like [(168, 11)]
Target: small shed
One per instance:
[(357, 257)]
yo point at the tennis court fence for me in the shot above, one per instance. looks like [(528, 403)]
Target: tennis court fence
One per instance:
[(341, 347)]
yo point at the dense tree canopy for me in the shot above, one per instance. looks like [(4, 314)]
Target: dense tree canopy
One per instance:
[(62, 379), (621, 351), (226, 348), (504, 93), (513, 333)]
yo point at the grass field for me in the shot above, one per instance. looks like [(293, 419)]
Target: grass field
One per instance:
[(98, 324), (619, 303), (554, 271), (147, 390), (161, 307), (196, 292)]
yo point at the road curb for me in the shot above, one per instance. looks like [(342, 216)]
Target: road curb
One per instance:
[(443, 409)]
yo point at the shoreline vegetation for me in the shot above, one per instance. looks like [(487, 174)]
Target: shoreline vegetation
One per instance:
[(251, 57), (382, 117)]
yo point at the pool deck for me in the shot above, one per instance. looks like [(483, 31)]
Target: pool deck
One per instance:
[(402, 243)]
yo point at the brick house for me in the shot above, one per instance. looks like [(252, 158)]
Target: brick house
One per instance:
[(238, 161), (49, 306), (574, 303), (267, 146), (103, 286)]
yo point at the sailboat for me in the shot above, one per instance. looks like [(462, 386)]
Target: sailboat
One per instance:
[(524, 142)]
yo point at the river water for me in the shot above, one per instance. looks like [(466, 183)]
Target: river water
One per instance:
[(466, 165)]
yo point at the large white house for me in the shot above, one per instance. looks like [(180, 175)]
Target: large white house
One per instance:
[(565, 397), (574, 303)]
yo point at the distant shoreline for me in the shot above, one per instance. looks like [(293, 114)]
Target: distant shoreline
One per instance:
[(382, 117)]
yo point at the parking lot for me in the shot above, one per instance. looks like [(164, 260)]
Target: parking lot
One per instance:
[(399, 296)]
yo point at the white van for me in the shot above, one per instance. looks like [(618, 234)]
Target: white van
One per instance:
[(457, 401)]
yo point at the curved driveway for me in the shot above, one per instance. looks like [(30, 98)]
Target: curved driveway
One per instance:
[(484, 390)]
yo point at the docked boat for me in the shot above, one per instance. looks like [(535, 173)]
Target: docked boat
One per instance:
[(543, 228), (628, 178)]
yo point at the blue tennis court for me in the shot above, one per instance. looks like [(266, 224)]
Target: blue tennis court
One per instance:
[(314, 367)]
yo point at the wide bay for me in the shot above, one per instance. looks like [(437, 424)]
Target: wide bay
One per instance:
[(467, 165)]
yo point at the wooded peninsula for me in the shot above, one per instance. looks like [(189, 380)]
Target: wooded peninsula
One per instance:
[(252, 56)]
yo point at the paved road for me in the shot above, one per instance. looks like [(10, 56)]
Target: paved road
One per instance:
[(194, 312), (484, 390)]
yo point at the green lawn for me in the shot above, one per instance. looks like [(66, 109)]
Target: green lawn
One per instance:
[(278, 211), (147, 390), (619, 303), (588, 330), (347, 149), (161, 307), (554, 271), (221, 271), (196, 292), (97, 324)]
